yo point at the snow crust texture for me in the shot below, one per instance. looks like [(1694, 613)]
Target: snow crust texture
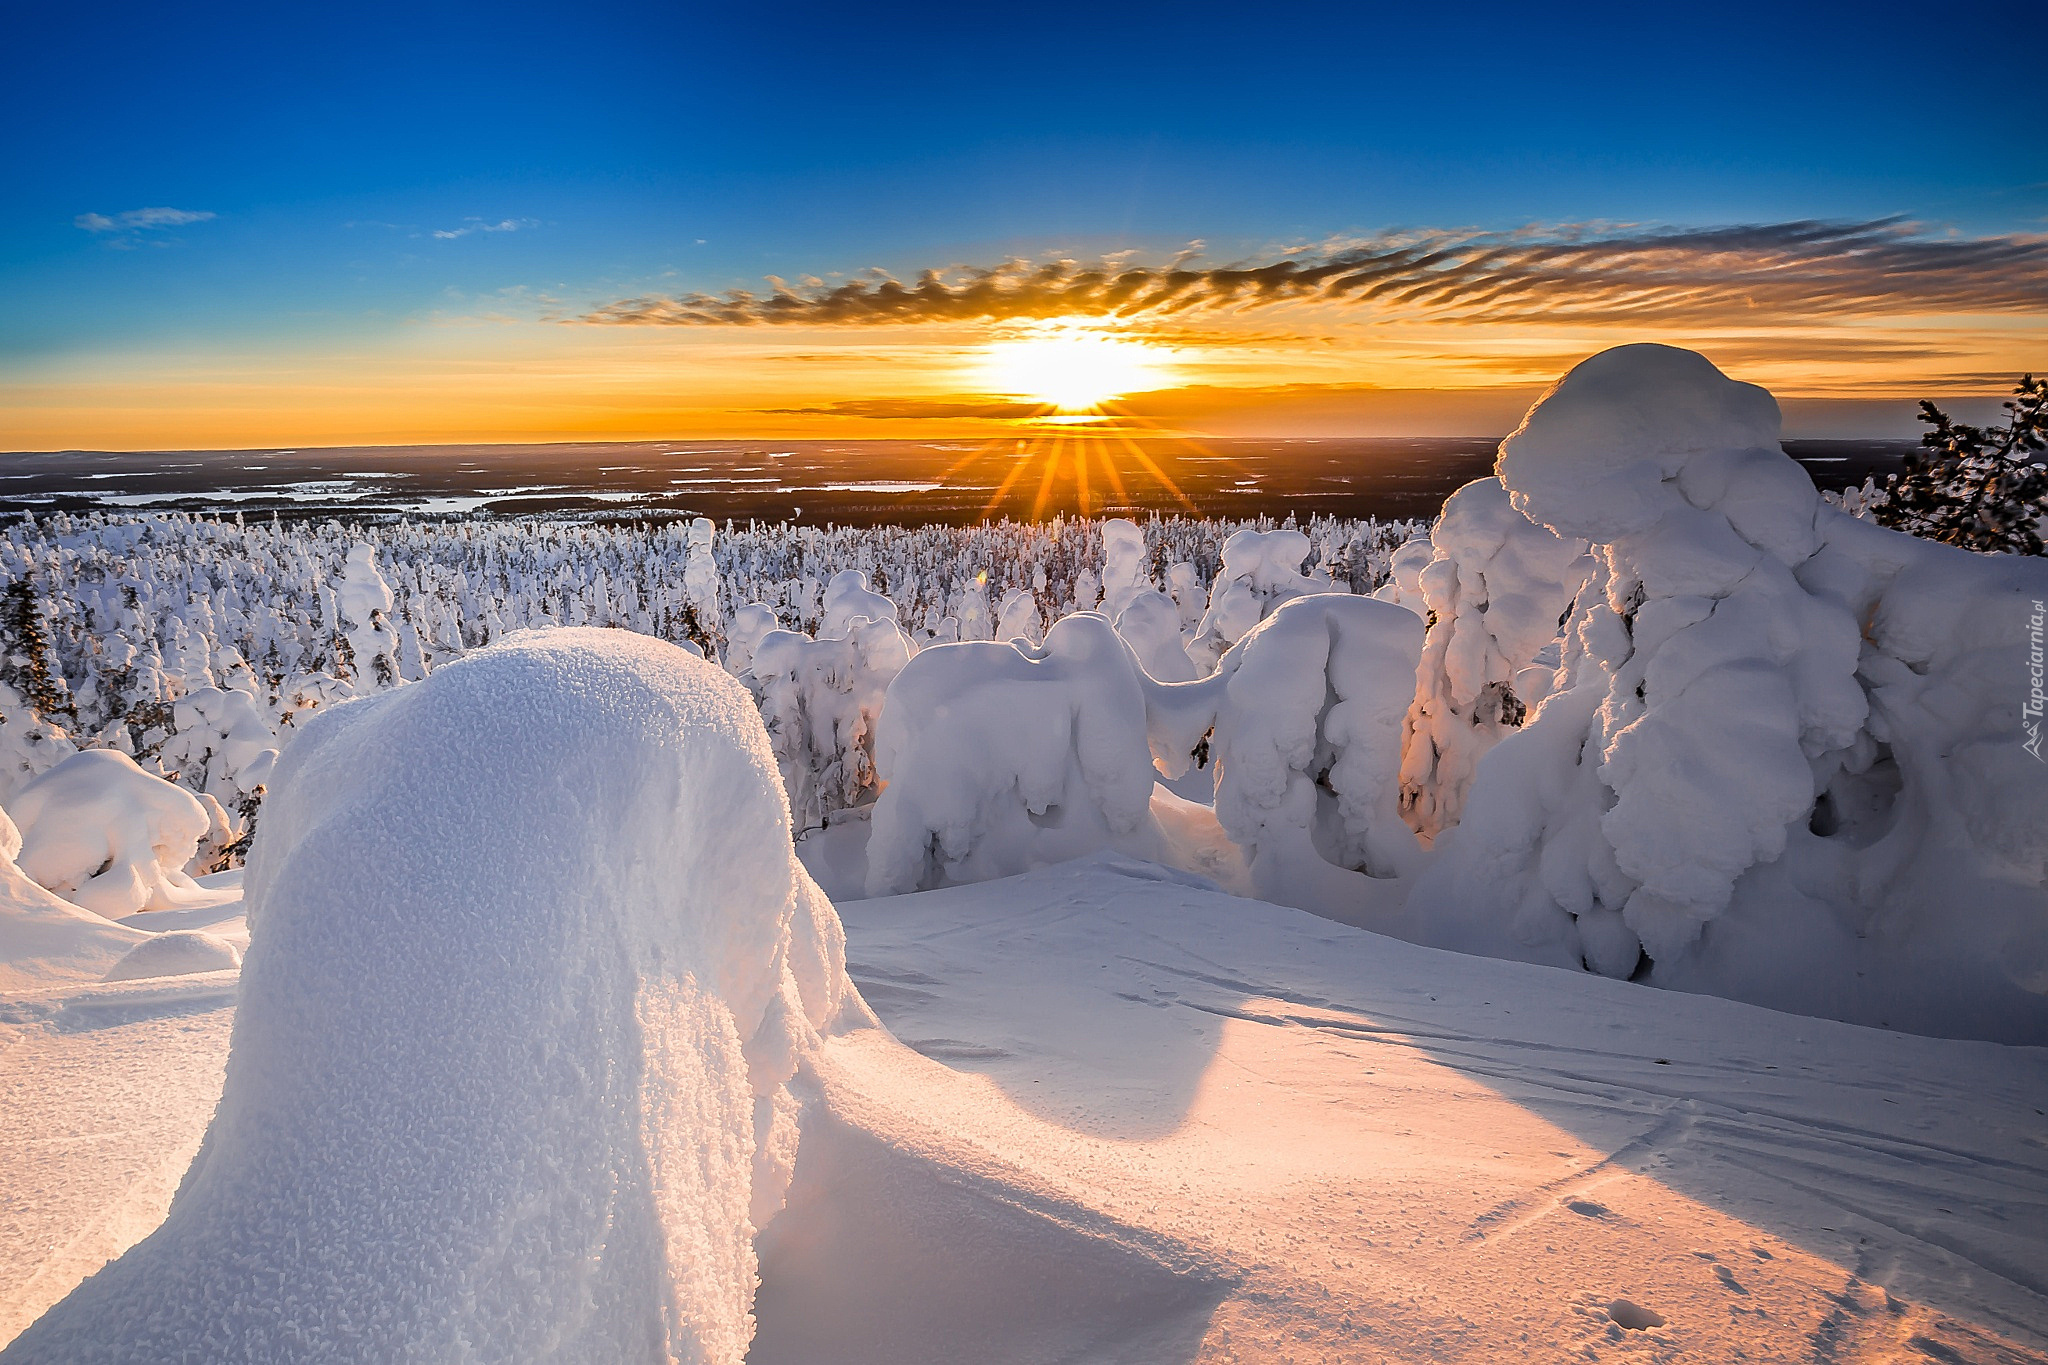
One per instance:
[(531, 968)]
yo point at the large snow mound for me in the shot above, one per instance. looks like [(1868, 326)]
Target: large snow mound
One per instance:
[(532, 965)]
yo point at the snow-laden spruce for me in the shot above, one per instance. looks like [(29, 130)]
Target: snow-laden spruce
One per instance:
[(532, 966), (1302, 719), (198, 646), (1003, 757), (1497, 586), (821, 697), (1782, 759)]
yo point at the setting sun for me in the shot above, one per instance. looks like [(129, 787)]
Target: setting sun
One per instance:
[(1073, 368)]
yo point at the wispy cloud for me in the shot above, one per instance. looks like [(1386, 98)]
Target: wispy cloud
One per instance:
[(130, 228), (905, 409), (1560, 274), (474, 225)]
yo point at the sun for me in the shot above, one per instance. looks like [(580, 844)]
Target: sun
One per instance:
[(1072, 367)]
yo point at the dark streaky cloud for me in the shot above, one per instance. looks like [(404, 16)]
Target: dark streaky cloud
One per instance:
[(1572, 274)]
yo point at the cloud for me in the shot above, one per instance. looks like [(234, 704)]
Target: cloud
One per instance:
[(1585, 274), (898, 409), (471, 225), (125, 230)]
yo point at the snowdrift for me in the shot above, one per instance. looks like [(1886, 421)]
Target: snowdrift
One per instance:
[(531, 968), (45, 941), (109, 837)]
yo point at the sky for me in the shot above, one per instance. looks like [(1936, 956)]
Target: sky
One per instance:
[(236, 225)]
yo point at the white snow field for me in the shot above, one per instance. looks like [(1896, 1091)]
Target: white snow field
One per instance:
[(1135, 1120)]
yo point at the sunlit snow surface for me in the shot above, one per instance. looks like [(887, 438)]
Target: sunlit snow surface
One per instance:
[(1140, 1121)]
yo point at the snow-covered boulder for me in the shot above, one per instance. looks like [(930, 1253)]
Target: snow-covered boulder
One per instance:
[(105, 835), (1778, 765), (1303, 720), (532, 965), (1000, 757)]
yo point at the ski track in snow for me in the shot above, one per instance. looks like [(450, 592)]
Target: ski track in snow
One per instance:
[(1301, 1142), (1400, 1154)]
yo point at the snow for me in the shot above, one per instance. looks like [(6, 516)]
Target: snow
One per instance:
[(1780, 763), (364, 602), (1003, 757), (1496, 587), (1404, 578), (1134, 1119), (1150, 624), (109, 837), (44, 940), (1599, 455), (176, 952), (532, 966), (544, 1043), (1302, 720), (1261, 569), (820, 699), (223, 746)]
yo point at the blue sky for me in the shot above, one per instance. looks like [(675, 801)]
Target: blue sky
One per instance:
[(617, 150)]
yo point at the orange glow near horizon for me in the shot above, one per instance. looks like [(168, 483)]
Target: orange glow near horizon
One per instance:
[(489, 379)]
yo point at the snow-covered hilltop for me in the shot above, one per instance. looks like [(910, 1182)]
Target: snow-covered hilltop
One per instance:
[(549, 1046), (1643, 704)]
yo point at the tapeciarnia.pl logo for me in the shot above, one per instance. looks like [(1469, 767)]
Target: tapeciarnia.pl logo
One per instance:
[(2030, 714)]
